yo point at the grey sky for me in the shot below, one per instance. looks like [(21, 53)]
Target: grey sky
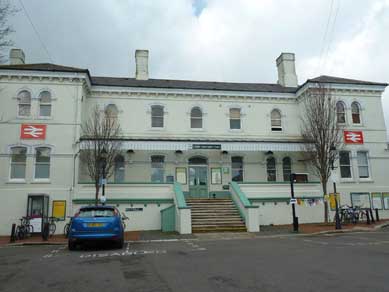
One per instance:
[(219, 40)]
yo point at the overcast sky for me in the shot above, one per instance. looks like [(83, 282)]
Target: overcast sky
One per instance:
[(218, 40)]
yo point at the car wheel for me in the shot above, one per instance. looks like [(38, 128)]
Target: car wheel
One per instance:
[(71, 245), (120, 243)]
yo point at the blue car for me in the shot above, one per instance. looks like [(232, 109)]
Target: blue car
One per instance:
[(94, 223)]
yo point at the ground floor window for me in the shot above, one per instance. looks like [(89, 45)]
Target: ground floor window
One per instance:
[(271, 169), (237, 168), (157, 168), (119, 169), (286, 168), (361, 200)]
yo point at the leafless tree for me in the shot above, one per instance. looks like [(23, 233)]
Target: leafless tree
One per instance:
[(6, 10), (320, 132), (100, 138)]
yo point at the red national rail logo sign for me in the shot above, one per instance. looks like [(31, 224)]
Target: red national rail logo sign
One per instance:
[(353, 137), (33, 131)]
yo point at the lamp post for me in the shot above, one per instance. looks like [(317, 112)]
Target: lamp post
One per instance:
[(103, 163), (293, 203), (338, 224)]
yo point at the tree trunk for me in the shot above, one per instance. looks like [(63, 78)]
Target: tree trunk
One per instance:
[(324, 185), (97, 187)]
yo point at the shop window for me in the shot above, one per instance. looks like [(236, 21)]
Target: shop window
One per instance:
[(237, 168), (345, 164), (276, 120), (157, 168), (340, 112), (119, 169), (271, 169), (45, 104), (196, 118), (286, 168), (157, 116), (42, 163), (24, 104), (356, 112), (363, 164), (235, 122), (18, 162)]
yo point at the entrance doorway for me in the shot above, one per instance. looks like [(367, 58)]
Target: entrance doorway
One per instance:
[(198, 177)]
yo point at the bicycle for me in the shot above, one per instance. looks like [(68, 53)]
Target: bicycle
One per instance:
[(25, 229), (52, 225), (66, 228)]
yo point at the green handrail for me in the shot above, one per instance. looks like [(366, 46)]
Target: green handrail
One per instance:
[(180, 198), (242, 197)]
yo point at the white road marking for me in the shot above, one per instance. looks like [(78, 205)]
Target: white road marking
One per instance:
[(120, 254), (194, 246)]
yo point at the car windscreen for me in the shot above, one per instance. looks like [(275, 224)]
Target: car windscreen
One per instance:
[(90, 212)]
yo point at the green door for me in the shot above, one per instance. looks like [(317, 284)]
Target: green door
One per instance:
[(198, 181)]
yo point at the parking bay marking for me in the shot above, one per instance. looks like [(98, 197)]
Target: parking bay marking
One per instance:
[(120, 254)]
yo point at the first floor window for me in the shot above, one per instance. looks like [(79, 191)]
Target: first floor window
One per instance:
[(42, 163), (45, 104), (157, 168), (345, 165), (286, 168), (157, 113), (235, 123), (24, 103), (363, 164), (237, 168), (119, 169), (271, 169), (18, 162)]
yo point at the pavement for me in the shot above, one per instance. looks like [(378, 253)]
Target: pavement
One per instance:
[(356, 261)]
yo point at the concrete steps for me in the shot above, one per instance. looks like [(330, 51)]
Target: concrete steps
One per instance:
[(215, 215)]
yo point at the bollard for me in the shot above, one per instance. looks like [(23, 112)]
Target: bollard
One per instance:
[(45, 231), (296, 224), (13, 230), (367, 218), (377, 217), (371, 215)]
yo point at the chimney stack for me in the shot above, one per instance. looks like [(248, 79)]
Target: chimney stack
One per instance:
[(142, 64), (286, 70), (16, 57)]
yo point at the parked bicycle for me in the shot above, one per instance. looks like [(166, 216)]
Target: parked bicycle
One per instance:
[(52, 225), (66, 228), (23, 230)]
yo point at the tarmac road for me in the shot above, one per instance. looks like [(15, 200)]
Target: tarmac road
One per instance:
[(336, 262)]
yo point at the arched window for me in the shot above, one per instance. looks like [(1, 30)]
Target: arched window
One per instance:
[(42, 163), (276, 120), (356, 112), (119, 169), (286, 168), (237, 168), (111, 111), (24, 103), (340, 113), (271, 169), (45, 104), (235, 123), (18, 162), (157, 116), (157, 168), (196, 118)]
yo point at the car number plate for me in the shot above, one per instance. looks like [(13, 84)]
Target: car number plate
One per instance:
[(95, 224)]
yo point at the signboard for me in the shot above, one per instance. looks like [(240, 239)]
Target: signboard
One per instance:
[(216, 176), (33, 131), (376, 200), (133, 209), (36, 224), (59, 209), (333, 202), (385, 197), (293, 201), (181, 175), (353, 137), (361, 200), (207, 146)]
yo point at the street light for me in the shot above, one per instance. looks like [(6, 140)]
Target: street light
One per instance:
[(293, 203), (103, 164), (338, 224)]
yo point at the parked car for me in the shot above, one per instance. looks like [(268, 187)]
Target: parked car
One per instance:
[(95, 223)]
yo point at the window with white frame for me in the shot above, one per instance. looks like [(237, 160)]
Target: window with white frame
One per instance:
[(157, 168), (235, 121), (356, 112), (363, 164), (111, 111), (340, 112), (24, 103), (157, 113), (119, 169), (275, 117), (42, 162), (196, 118), (18, 162), (271, 169), (45, 104), (345, 164), (237, 168), (286, 168)]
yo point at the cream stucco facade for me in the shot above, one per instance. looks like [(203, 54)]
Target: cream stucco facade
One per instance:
[(203, 155)]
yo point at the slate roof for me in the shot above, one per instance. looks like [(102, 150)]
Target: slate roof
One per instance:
[(184, 84)]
